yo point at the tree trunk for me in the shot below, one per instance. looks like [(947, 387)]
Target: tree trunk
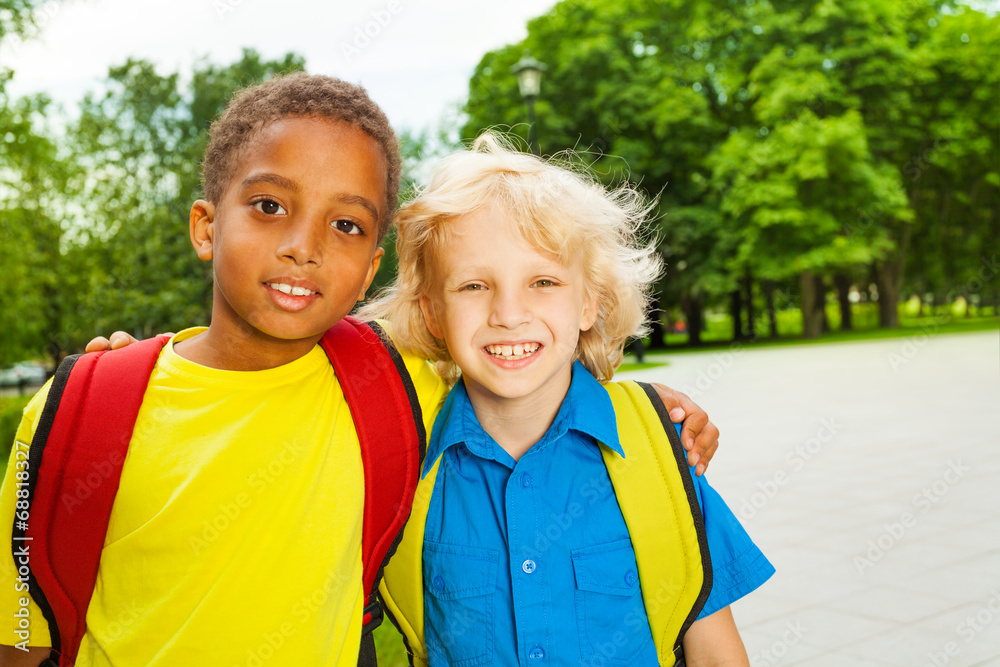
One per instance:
[(751, 316), (772, 315), (693, 312), (889, 275), (843, 284), (824, 323), (811, 317), (736, 310)]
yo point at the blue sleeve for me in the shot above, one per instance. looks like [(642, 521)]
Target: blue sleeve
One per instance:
[(738, 566)]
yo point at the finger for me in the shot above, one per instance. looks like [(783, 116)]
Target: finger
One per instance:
[(120, 339), (98, 344), (706, 444), (670, 402), (685, 403), (692, 427)]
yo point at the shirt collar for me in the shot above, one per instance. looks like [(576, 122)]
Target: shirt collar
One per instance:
[(587, 408)]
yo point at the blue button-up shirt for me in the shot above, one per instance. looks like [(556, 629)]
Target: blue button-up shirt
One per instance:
[(529, 562)]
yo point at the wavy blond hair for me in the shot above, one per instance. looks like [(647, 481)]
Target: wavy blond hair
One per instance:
[(556, 207)]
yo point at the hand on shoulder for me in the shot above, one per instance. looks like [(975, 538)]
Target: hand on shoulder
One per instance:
[(119, 339)]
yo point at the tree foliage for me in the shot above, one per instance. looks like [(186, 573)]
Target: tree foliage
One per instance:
[(787, 142), (94, 228)]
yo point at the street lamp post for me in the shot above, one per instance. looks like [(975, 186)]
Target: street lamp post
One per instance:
[(529, 80)]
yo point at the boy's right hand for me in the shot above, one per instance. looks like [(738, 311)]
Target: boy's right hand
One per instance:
[(119, 339)]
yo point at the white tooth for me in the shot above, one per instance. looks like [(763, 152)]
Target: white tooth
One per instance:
[(519, 349), (283, 288), (300, 291), (507, 351)]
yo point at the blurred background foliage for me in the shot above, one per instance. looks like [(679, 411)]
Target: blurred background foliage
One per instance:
[(798, 147), (818, 165)]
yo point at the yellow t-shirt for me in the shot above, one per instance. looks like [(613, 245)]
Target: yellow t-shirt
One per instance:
[(235, 537)]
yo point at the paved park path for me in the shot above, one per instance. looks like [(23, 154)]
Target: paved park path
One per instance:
[(869, 474)]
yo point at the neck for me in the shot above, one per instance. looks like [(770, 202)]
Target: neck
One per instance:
[(516, 424), (248, 352)]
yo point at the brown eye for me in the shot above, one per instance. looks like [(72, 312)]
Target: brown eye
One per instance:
[(269, 207), (347, 226)]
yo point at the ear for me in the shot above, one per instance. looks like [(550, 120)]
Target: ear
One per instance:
[(202, 228), (372, 270), (430, 319), (590, 311)]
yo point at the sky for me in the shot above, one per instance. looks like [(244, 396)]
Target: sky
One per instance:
[(415, 57)]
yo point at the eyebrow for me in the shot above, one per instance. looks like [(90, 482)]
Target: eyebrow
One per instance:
[(288, 184), (273, 179), (363, 202)]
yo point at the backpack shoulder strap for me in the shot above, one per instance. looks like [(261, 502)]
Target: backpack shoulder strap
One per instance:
[(402, 589), (658, 501), (390, 426), (74, 466)]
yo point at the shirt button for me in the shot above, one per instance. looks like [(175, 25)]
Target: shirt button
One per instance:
[(525, 480), (536, 653), (439, 583), (528, 566), (630, 577)]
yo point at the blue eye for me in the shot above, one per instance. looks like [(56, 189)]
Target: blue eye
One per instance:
[(347, 226), (269, 207)]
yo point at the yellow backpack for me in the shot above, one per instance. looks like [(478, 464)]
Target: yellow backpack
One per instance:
[(657, 498)]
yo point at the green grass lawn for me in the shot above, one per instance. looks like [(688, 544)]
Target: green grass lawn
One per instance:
[(636, 366), (719, 328), (389, 646)]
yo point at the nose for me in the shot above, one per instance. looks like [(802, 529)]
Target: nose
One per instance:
[(508, 309), (301, 241)]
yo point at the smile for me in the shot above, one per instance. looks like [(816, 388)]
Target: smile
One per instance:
[(288, 289), (512, 352)]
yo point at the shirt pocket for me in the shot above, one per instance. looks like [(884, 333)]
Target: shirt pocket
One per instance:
[(459, 587), (610, 616)]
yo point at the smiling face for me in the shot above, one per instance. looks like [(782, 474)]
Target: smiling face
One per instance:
[(294, 240), (510, 315)]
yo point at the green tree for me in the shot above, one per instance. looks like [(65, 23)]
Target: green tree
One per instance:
[(32, 183), (20, 18), (952, 176), (777, 134), (32, 180)]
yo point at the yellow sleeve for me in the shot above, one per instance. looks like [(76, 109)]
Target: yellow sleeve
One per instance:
[(21, 621)]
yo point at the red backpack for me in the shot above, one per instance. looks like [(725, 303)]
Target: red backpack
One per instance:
[(89, 416)]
